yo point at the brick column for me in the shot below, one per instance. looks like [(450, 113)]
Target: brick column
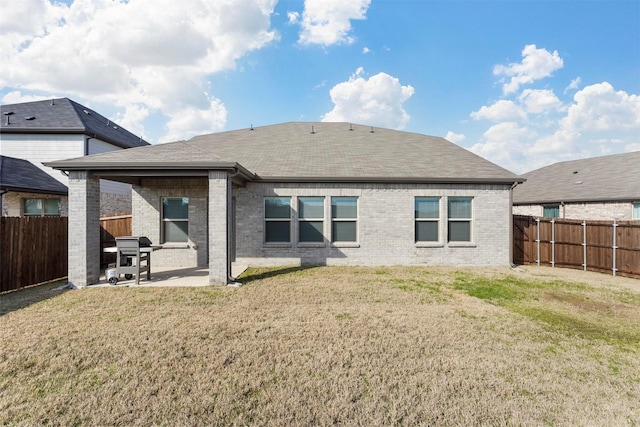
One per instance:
[(219, 205), (84, 229)]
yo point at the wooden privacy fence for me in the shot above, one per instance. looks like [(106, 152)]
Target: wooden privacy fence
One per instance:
[(32, 250), (604, 246), (112, 226)]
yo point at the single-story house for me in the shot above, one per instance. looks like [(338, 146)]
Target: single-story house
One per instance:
[(299, 193), (597, 188), (55, 129), (26, 190)]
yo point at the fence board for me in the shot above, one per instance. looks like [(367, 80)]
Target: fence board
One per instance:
[(32, 250), (110, 228), (563, 243)]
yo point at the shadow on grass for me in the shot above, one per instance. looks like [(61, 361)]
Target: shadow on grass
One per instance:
[(22, 298), (253, 274)]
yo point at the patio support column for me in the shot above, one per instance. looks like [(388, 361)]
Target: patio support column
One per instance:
[(84, 229), (219, 207)]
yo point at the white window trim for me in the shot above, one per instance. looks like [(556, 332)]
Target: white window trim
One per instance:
[(345, 244), (266, 220), (42, 213), (633, 211), (461, 244), (428, 244), (164, 220), (301, 220)]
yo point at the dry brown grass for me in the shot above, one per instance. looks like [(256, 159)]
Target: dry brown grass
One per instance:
[(329, 345)]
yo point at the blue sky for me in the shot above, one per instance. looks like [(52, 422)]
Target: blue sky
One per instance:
[(521, 83)]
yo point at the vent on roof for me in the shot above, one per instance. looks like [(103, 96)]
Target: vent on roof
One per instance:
[(87, 112), (251, 128), (53, 102), (577, 183), (313, 130), (30, 118), (371, 131), (350, 127), (8, 114)]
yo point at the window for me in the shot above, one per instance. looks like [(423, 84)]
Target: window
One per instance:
[(277, 219), (427, 216), (344, 219), (42, 207), (310, 219), (636, 211), (551, 211), (175, 219), (459, 212)]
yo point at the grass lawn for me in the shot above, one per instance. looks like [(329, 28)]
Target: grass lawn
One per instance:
[(328, 345)]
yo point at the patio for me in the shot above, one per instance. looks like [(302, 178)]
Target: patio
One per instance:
[(172, 276)]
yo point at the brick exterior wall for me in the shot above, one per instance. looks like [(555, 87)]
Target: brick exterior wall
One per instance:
[(114, 203), (219, 211), (146, 205), (84, 229), (590, 211), (385, 225)]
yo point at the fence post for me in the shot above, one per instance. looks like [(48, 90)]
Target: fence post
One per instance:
[(615, 226), (553, 242), (538, 240), (584, 245)]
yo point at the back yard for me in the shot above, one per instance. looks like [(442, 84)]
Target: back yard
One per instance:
[(329, 345)]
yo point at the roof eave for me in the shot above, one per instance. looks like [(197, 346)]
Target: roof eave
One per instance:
[(32, 190), (390, 180), (588, 200)]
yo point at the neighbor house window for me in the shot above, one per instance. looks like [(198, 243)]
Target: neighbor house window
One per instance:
[(459, 213), (344, 219), (175, 219), (551, 211), (636, 211), (277, 219), (310, 219), (42, 207), (427, 216)]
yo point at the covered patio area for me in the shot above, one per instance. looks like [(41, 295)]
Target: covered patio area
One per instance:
[(173, 277)]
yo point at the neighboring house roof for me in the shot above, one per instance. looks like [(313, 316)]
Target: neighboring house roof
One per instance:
[(598, 179), (63, 115), (21, 175), (310, 152)]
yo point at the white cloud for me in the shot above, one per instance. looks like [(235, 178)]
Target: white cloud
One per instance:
[(503, 144), (366, 50), (536, 64), (377, 101), (190, 121), (503, 110), (328, 22), (293, 17), (17, 97), (128, 53), (454, 137), (575, 84), (133, 119), (599, 107), (538, 101)]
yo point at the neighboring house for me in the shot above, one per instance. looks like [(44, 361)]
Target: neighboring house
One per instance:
[(44, 131), (599, 188), (300, 193), (26, 190)]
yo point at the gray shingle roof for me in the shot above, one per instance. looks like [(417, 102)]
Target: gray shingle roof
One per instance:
[(290, 151), (606, 178), (63, 115), (21, 175)]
